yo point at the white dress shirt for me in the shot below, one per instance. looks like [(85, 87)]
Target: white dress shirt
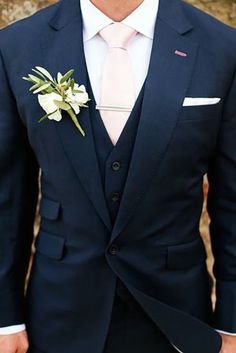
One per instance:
[(143, 20)]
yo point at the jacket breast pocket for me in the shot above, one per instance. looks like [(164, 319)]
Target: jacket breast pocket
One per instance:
[(185, 256), (49, 209), (199, 113)]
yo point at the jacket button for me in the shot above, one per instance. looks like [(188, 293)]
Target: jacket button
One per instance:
[(116, 166), (113, 250), (115, 196)]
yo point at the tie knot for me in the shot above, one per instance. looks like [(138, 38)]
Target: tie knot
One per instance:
[(117, 35)]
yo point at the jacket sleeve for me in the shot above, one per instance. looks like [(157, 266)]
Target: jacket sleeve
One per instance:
[(222, 211), (18, 198)]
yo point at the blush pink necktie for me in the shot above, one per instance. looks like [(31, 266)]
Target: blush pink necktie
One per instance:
[(117, 93)]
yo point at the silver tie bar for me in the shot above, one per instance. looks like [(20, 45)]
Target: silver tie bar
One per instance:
[(113, 109)]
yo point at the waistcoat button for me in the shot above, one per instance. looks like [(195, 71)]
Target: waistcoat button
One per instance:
[(116, 166), (115, 196)]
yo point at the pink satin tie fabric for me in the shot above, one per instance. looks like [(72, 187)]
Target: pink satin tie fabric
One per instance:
[(118, 92)]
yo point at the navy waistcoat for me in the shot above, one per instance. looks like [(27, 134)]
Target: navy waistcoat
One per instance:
[(113, 160)]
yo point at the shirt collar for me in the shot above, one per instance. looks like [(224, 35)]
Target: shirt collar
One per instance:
[(142, 19)]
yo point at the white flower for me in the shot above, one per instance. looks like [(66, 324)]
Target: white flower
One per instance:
[(47, 103), (75, 99)]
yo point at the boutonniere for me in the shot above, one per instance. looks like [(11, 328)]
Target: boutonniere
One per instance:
[(55, 95)]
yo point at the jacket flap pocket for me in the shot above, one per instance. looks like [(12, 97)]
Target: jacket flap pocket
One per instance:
[(49, 209), (183, 256), (50, 245)]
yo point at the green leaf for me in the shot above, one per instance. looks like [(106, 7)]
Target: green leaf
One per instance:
[(66, 76), (26, 79), (42, 88), (34, 87), (41, 75), (62, 105), (76, 122), (44, 72), (46, 116), (59, 77), (50, 90), (34, 78), (67, 85), (78, 91), (72, 84)]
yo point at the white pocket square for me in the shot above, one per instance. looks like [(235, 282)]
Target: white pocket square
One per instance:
[(190, 101)]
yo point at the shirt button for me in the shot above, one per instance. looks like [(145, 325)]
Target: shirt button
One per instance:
[(116, 166), (113, 250), (115, 196)]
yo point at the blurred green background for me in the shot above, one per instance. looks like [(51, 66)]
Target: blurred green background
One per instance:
[(11, 10)]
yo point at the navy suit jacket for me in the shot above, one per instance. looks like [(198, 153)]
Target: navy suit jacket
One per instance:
[(154, 246)]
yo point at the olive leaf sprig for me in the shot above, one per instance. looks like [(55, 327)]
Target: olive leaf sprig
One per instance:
[(57, 95)]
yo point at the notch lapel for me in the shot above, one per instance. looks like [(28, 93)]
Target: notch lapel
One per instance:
[(63, 50), (166, 84)]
